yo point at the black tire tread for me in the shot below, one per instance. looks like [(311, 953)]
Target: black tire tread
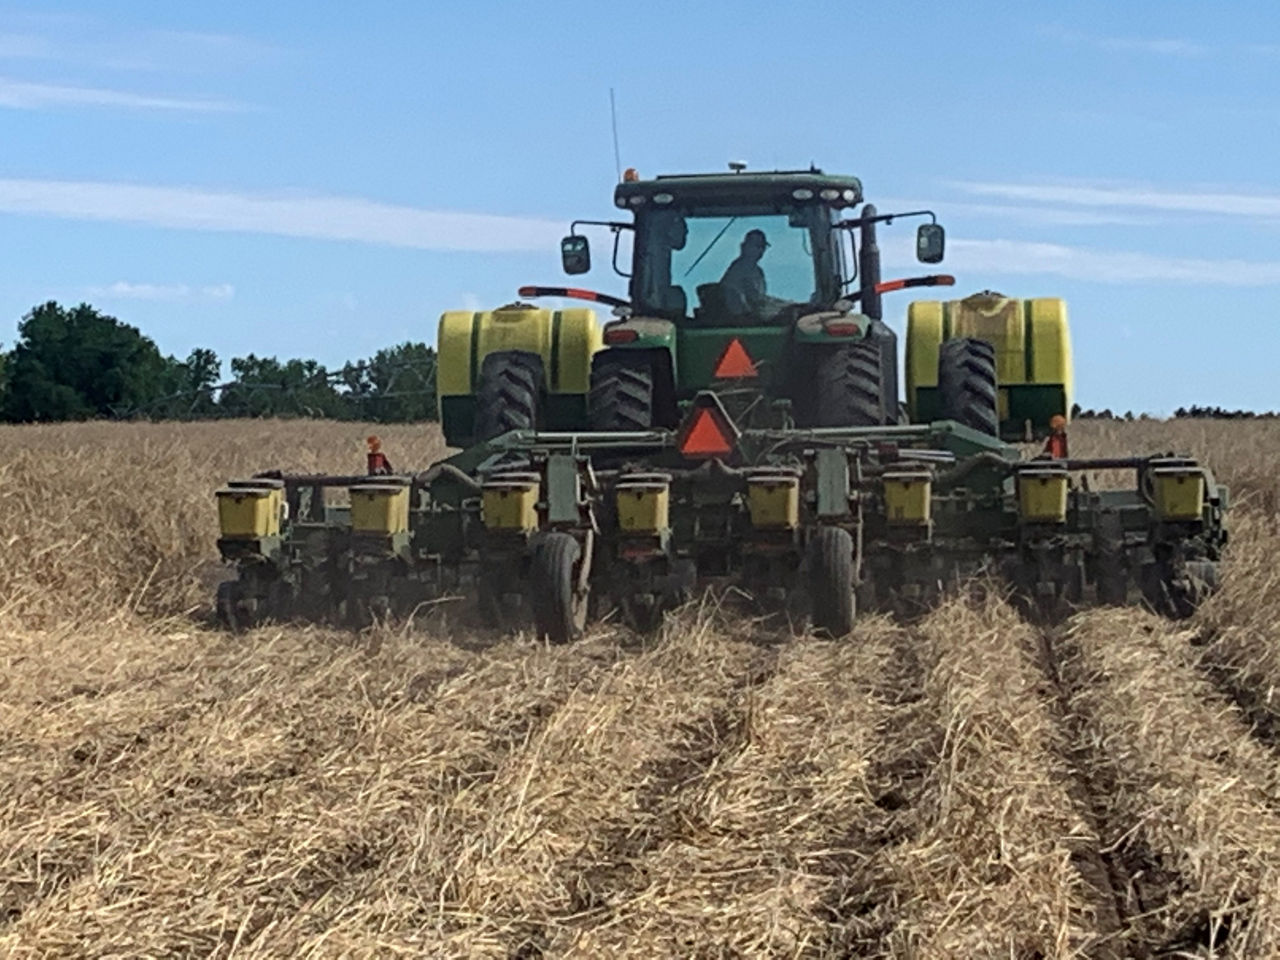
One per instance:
[(227, 606), (967, 384), (849, 390), (621, 397), (508, 393), (831, 585), (1111, 578), (551, 580)]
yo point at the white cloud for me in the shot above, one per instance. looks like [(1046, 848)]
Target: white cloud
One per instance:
[(1109, 266), (1159, 46), (1038, 215), (24, 46), (104, 43), (320, 217), (1021, 258), (1259, 205), (123, 290), (367, 221), (179, 51), (21, 95)]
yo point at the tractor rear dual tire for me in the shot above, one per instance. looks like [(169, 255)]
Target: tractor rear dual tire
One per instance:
[(509, 393), (849, 389), (967, 384), (622, 396)]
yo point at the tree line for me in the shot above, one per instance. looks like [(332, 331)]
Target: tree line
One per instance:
[(77, 363), (1182, 413)]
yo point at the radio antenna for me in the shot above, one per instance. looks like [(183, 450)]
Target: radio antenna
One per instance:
[(613, 118)]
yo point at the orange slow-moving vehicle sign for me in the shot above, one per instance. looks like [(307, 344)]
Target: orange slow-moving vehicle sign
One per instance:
[(705, 437), (735, 363)]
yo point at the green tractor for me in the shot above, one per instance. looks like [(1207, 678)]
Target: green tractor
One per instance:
[(765, 288), (737, 424)]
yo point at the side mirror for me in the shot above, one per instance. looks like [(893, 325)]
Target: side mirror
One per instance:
[(931, 242), (575, 255)]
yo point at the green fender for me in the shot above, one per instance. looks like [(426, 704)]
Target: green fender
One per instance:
[(656, 341)]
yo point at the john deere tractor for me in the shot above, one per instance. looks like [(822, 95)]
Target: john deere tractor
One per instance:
[(737, 423), (767, 289)]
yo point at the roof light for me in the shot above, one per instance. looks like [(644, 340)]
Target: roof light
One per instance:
[(850, 196), (662, 198), (630, 175), (830, 194), (735, 363), (802, 194), (620, 201), (637, 200)]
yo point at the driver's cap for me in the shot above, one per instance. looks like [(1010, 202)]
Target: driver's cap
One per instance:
[(757, 235)]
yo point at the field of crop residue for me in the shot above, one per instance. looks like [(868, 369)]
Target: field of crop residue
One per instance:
[(965, 786)]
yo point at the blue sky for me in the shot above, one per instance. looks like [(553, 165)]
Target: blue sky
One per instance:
[(323, 180)]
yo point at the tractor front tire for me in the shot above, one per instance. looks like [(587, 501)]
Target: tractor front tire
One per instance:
[(559, 610), (508, 393), (622, 396), (849, 387), (967, 384), (831, 582)]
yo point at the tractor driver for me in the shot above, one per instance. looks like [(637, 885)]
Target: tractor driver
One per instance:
[(743, 284)]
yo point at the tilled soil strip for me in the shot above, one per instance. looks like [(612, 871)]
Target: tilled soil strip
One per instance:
[(989, 867), (754, 856), (1191, 810), (546, 846)]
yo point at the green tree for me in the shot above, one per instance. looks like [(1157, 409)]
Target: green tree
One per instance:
[(189, 393), (75, 364), (265, 387), (198, 374), (397, 385)]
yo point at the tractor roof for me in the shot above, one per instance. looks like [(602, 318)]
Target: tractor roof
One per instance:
[(765, 187)]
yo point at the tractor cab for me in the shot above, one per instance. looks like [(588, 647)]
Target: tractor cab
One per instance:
[(763, 284), (759, 254)]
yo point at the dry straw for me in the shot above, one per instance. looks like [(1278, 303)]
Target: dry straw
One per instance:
[(1192, 813), (952, 788), (988, 866)]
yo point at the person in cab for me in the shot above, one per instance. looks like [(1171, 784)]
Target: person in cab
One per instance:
[(743, 284)]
